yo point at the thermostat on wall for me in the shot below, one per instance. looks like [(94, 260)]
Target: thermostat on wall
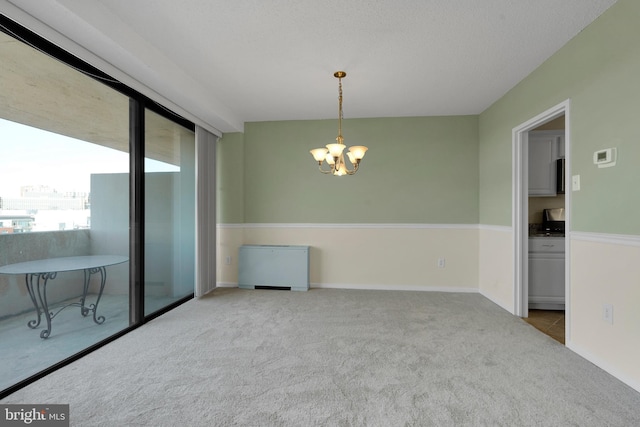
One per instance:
[(605, 158)]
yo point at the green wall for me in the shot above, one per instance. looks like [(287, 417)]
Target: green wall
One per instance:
[(417, 170), (599, 70), (230, 178), (453, 170)]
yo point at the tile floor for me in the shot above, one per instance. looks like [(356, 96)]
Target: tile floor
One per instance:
[(551, 322)]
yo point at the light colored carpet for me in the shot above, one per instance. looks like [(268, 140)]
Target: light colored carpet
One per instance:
[(23, 353), (336, 358)]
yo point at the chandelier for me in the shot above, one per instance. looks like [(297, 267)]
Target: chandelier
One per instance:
[(333, 155)]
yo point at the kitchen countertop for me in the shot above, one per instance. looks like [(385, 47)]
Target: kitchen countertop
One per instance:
[(541, 230), (545, 235)]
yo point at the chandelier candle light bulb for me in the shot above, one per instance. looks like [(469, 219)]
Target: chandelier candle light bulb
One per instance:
[(333, 155)]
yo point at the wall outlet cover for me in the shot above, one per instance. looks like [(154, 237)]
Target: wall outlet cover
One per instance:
[(607, 313)]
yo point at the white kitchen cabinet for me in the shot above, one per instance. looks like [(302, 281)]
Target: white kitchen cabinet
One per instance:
[(545, 147), (546, 273)]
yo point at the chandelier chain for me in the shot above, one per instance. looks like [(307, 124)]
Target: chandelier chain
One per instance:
[(340, 109)]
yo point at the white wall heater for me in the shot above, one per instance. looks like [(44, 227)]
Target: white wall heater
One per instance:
[(274, 267)]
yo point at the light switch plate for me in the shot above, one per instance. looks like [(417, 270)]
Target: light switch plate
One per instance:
[(575, 182)]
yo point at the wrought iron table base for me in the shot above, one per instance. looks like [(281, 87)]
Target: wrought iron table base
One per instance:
[(38, 292)]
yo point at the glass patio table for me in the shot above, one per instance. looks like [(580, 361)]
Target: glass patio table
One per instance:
[(38, 273)]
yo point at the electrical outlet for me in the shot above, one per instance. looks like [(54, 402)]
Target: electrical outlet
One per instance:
[(607, 313), (227, 260), (441, 262)]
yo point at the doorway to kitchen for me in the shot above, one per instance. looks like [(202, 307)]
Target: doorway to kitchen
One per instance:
[(546, 199), (540, 217)]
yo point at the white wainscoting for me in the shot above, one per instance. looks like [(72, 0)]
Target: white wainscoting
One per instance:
[(605, 269), (496, 265), (368, 256)]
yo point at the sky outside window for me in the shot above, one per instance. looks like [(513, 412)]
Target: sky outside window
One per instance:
[(55, 166), (31, 156)]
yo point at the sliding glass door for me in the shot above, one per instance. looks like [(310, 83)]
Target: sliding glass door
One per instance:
[(64, 211), (97, 208), (169, 214)]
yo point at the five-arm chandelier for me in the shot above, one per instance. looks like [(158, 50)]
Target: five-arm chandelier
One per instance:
[(333, 155)]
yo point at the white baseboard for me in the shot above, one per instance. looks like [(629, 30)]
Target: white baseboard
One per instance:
[(226, 285), (353, 226), (604, 365), (384, 287), (468, 290)]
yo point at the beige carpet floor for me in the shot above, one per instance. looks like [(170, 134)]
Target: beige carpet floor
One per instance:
[(23, 353), (332, 357)]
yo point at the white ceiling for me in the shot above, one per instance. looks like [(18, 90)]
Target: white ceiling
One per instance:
[(229, 62)]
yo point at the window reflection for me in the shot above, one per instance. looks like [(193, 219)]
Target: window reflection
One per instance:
[(169, 212), (64, 192)]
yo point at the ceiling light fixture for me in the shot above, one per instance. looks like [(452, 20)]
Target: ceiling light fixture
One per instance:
[(333, 154)]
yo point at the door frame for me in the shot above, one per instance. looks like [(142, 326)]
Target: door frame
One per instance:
[(520, 208)]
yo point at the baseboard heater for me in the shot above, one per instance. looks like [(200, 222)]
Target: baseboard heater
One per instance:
[(273, 267)]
